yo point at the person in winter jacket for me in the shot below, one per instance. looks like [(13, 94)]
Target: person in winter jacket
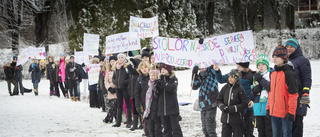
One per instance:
[(121, 78), (62, 75), (111, 88), (145, 56), (283, 95), (132, 69), (232, 101), (72, 73), (9, 72), (168, 107), (93, 88), (208, 84), (141, 89), (80, 76), (35, 75), (57, 79), (153, 122), (102, 89), (246, 80), (302, 69), (18, 74), (51, 75), (260, 92)]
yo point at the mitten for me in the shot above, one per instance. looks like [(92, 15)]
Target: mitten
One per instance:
[(4, 67), (289, 117), (305, 99), (256, 89), (16, 67), (195, 70), (33, 65), (201, 41), (257, 77)]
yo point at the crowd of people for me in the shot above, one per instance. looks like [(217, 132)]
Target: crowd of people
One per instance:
[(274, 100)]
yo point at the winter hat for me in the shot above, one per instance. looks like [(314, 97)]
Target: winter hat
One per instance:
[(102, 58), (293, 42), (155, 72), (122, 55), (71, 56), (281, 52), (15, 57), (262, 59), (244, 64), (235, 73), (94, 60), (113, 58), (145, 53), (62, 54), (167, 67)]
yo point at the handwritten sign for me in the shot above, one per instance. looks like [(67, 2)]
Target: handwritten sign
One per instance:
[(224, 49), (122, 42), (90, 44), (145, 27), (78, 57), (31, 53), (93, 73)]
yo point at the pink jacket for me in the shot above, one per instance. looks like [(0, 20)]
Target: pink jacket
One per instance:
[(62, 71), (108, 83)]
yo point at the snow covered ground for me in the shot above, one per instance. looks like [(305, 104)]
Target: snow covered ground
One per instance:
[(40, 116)]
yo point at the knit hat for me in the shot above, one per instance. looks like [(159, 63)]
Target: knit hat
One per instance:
[(71, 56), (113, 58), (155, 72), (167, 67), (145, 53), (122, 55), (281, 52), (235, 73), (15, 57), (293, 42), (102, 58), (262, 59), (62, 54), (244, 64)]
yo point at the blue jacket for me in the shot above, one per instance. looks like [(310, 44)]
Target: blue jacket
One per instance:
[(208, 92), (35, 72), (246, 81), (302, 69)]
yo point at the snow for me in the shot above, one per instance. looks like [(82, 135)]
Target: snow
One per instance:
[(29, 115)]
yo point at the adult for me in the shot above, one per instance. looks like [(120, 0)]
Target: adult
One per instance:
[(18, 74), (9, 72), (303, 74)]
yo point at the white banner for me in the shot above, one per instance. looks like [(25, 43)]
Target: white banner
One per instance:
[(122, 42), (31, 53), (93, 73), (145, 27), (90, 44), (78, 57), (224, 49)]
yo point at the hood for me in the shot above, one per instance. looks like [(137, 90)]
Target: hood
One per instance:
[(94, 60), (50, 57), (296, 53)]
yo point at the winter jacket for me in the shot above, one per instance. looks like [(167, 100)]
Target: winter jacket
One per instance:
[(108, 83), (154, 107), (120, 77), (133, 76), (141, 87), (101, 81), (302, 69), (259, 106), (283, 93), (246, 81), (56, 73), (62, 71), (17, 72), (51, 71), (235, 98), (168, 101), (72, 71), (208, 85), (35, 72), (9, 72)]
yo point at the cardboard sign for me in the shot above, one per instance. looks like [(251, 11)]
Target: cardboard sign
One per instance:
[(122, 42), (90, 44), (31, 53), (144, 27), (93, 73)]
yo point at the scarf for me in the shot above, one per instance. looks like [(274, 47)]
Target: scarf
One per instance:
[(149, 98), (119, 65)]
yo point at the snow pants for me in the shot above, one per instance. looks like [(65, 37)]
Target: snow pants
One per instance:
[(171, 126), (229, 129), (208, 119), (264, 126), (73, 87)]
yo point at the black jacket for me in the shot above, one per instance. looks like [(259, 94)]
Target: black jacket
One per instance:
[(51, 74), (141, 89), (235, 98), (9, 72), (120, 77), (102, 87), (72, 71), (168, 101), (17, 72), (132, 81)]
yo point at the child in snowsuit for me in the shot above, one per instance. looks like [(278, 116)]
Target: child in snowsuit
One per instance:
[(111, 103), (168, 107), (260, 91), (35, 75), (9, 72), (72, 72), (208, 84), (153, 122), (282, 100), (232, 101)]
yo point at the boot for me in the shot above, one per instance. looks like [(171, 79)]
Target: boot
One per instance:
[(119, 118), (66, 95), (51, 93), (106, 119), (36, 91), (129, 117), (135, 122), (141, 125), (72, 98), (77, 99)]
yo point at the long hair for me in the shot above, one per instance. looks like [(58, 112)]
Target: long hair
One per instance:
[(143, 64)]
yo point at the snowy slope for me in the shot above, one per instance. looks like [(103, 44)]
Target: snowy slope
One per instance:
[(40, 116)]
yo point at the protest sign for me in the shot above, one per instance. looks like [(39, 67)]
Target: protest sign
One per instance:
[(78, 57), (90, 44), (31, 53), (122, 42), (144, 27), (93, 73), (224, 49)]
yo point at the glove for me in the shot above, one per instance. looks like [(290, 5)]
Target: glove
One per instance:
[(289, 117), (257, 77), (226, 109), (33, 65), (71, 69), (256, 89), (74, 68), (4, 67), (87, 70), (16, 67), (305, 99), (139, 110), (82, 65), (195, 71), (201, 41)]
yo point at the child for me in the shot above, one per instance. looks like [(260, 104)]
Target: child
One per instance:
[(57, 79), (18, 74), (260, 93), (121, 78), (168, 107), (141, 87), (282, 101), (232, 101), (153, 64), (93, 89), (35, 75), (112, 97), (208, 84), (72, 72), (51, 75), (150, 117), (62, 75), (9, 72), (145, 56)]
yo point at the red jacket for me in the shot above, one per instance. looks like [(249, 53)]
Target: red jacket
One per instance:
[(283, 92)]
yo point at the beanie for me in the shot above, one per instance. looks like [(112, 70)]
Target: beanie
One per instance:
[(293, 42), (61, 54), (71, 56), (15, 57), (122, 55), (167, 67), (112, 58), (262, 59), (281, 52), (145, 52), (244, 64), (235, 73)]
